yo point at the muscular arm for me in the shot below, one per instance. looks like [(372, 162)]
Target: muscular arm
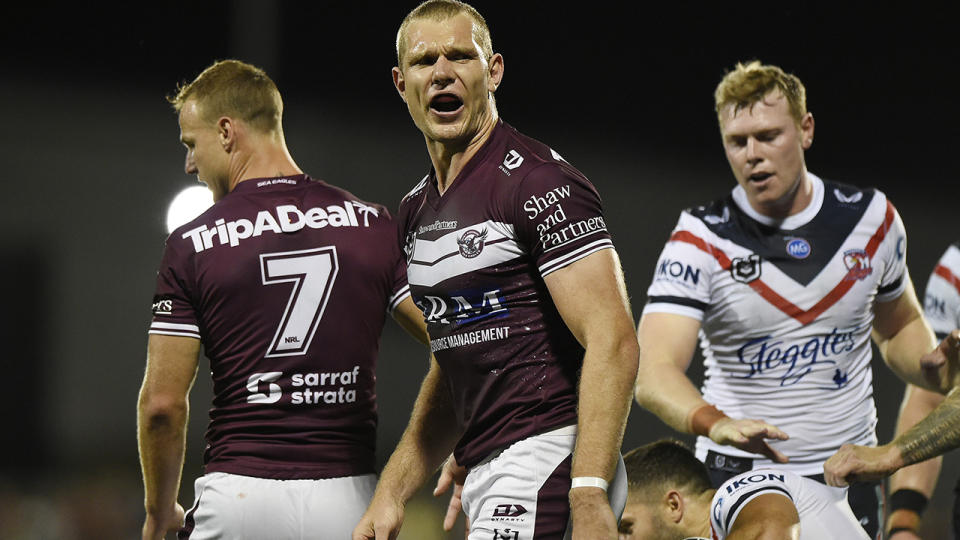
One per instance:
[(162, 413), (768, 517), (410, 318), (428, 439), (903, 336), (592, 299), (667, 342), (922, 477)]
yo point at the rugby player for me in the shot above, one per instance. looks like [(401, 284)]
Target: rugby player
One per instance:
[(509, 258), (285, 281), (671, 498), (933, 437), (783, 281)]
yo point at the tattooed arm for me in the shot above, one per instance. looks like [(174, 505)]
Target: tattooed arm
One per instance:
[(936, 434)]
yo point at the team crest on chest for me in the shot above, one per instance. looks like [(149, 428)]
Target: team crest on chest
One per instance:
[(858, 264), (471, 243), (745, 269)]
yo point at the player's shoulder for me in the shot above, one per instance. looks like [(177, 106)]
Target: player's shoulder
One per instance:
[(415, 193), (715, 218), (526, 159), (339, 195)]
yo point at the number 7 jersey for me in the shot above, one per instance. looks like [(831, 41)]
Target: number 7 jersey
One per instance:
[(786, 311), (287, 282)]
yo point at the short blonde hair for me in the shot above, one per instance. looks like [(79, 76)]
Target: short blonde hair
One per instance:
[(441, 10), (236, 89), (749, 83)]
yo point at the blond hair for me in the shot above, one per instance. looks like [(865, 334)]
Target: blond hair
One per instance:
[(441, 10), (235, 89), (749, 83)]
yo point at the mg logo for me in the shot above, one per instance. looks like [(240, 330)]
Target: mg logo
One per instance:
[(513, 160), (273, 393), (798, 248)]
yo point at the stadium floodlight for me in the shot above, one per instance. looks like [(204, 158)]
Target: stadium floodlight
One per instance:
[(188, 204)]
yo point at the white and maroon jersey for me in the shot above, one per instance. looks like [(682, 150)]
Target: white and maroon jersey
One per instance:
[(942, 300), (287, 282), (476, 259), (823, 510), (786, 312)]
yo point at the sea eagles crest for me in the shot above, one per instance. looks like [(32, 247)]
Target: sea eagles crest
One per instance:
[(471, 243)]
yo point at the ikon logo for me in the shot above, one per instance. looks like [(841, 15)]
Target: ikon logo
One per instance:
[(509, 510)]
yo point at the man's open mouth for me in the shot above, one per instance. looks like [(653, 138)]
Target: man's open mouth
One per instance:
[(760, 177), (446, 103)]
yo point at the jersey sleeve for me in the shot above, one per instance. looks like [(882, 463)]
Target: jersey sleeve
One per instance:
[(738, 491), (174, 311), (942, 298), (400, 289), (893, 253), (682, 278), (559, 216)]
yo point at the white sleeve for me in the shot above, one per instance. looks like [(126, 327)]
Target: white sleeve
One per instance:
[(736, 492), (893, 256), (942, 299), (682, 278)]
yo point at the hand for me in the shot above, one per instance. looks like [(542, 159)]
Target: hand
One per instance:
[(381, 521), (157, 527), (854, 463), (941, 366), (591, 515), (749, 436), (451, 473)]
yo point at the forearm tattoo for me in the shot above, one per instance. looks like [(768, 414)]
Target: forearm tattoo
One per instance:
[(936, 434)]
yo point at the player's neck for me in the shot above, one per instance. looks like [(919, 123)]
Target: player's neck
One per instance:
[(701, 514), (450, 157), (795, 201), (267, 157)]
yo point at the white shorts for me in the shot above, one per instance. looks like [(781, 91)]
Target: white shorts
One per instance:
[(234, 506), (521, 493)]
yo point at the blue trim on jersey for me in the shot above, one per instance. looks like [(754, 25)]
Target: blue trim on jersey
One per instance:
[(680, 300), (891, 287), (733, 509), (824, 234)]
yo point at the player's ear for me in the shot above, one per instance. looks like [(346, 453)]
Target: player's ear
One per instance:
[(674, 506), (496, 72), (806, 130), (227, 133), (399, 83)]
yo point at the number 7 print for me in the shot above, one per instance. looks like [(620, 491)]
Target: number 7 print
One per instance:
[(312, 272)]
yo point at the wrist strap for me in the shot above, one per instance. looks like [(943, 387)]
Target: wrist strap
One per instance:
[(588, 481), (908, 499), (703, 418)]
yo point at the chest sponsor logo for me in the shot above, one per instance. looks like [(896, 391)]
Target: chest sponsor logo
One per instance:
[(438, 225), (798, 248), (318, 388), (285, 218), (506, 534), (753, 479), (470, 243), (745, 269), (162, 305), (511, 161), (794, 361), (858, 264), (462, 306)]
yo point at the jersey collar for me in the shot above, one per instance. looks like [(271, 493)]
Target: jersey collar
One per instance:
[(790, 222)]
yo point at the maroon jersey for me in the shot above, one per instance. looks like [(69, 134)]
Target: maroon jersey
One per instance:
[(476, 258), (287, 282)]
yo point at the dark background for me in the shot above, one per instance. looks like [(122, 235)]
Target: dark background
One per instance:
[(90, 157)]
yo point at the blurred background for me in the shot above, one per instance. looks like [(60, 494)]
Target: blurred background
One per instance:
[(91, 159)]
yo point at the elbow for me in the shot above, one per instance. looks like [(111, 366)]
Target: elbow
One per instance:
[(158, 411)]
